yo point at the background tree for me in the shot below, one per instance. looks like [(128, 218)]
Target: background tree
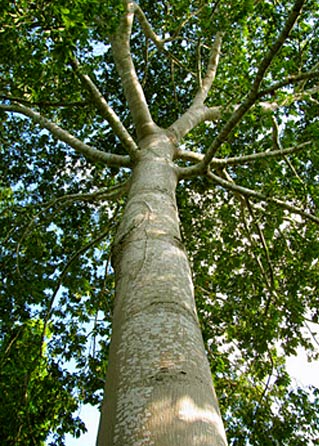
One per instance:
[(235, 85)]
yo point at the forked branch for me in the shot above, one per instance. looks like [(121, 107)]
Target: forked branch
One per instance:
[(133, 90), (198, 112)]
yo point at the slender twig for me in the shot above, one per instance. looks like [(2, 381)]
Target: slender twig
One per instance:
[(264, 244), (145, 74), (150, 33), (245, 204), (199, 64), (253, 245), (289, 80), (267, 385), (277, 145), (198, 112), (174, 85), (9, 346), (260, 196), (78, 253), (210, 75), (43, 103), (313, 334), (102, 194)]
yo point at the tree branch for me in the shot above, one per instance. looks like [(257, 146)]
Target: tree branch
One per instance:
[(252, 193), (209, 78), (43, 103), (89, 152), (77, 254), (106, 111), (112, 193), (132, 88), (252, 96), (147, 28), (235, 161), (198, 112), (293, 79), (150, 33)]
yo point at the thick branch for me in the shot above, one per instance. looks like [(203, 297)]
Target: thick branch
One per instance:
[(158, 41), (252, 193), (132, 88), (198, 112), (107, 112), (105, 193), (89, 152), (147, 28), (195, 115), (257, 156)]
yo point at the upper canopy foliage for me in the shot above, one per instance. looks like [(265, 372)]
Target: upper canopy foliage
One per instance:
[(249, 218)]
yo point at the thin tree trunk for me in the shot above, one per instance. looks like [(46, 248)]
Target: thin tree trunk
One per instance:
[(159, 388)]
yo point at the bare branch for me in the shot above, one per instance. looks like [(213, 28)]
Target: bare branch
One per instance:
[(199, 64), (195, 115), (132, 88), (277, 144), (198, 112), (293, 79), (258, 156), (235, 161), (187, 155), (271, 282), (147, 28), (150, 33), (211, 71), (158, 41), (106, 111), (88, 151), (258, 195), (253, 245), (293, 16)]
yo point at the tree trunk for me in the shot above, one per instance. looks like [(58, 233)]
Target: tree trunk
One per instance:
[(159, 387)]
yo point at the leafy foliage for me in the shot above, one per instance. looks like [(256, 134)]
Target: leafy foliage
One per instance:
[(37, 396), (255, 263)]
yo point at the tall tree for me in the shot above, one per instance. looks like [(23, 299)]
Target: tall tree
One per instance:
[(118, 120)]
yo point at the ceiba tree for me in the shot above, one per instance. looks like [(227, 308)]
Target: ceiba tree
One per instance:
[(110, 112)]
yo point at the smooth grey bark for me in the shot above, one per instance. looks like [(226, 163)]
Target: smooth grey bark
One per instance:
[(159, 387)]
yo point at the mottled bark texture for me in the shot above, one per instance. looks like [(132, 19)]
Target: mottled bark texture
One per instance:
[(159, 387)]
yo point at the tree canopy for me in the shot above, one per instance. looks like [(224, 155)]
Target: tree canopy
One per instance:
[(248, 199)]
